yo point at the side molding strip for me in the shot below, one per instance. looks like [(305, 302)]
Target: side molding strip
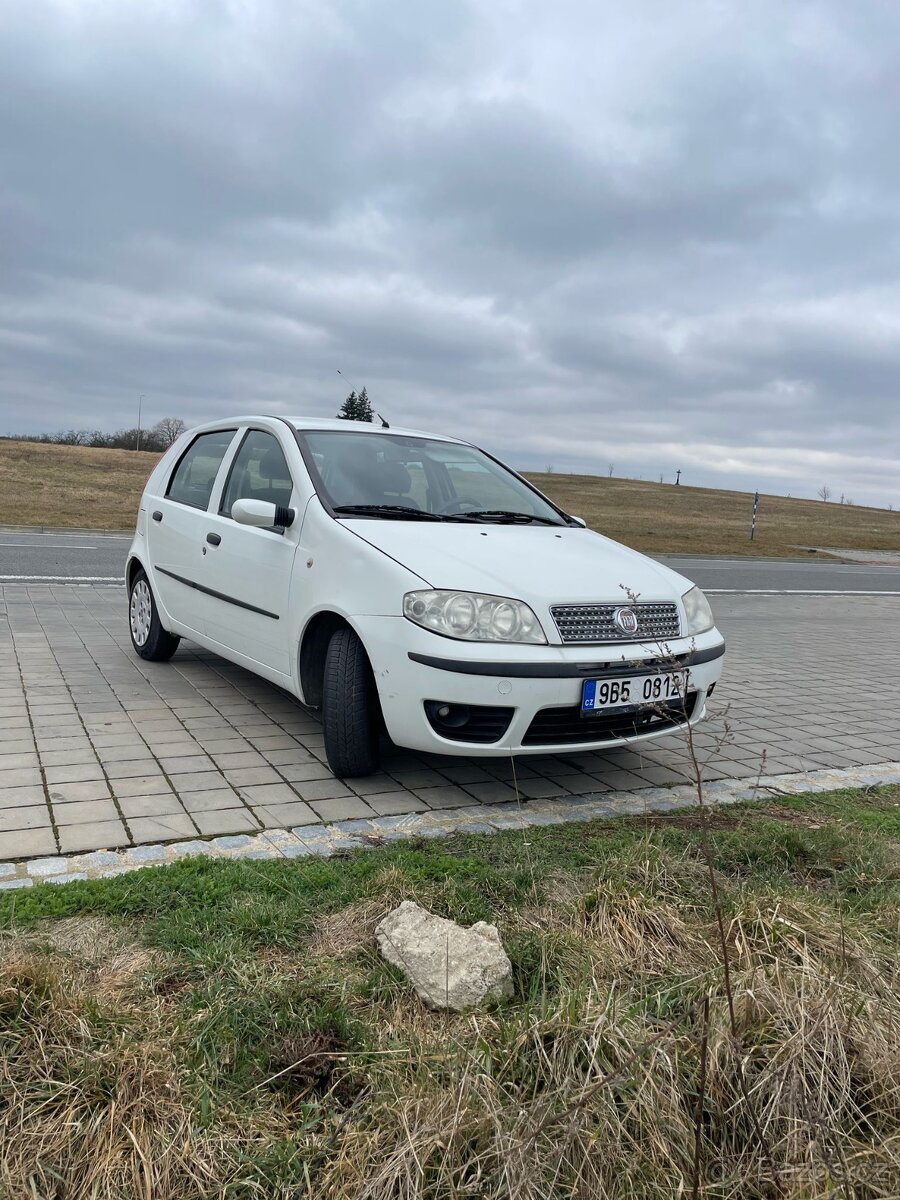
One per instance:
[(198, 587)]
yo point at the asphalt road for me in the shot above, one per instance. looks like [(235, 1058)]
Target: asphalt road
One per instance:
[(97, 558), (785, 575), (56, 557)]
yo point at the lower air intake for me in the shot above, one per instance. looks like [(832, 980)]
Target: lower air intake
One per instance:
[(468, 722), (567, 727)]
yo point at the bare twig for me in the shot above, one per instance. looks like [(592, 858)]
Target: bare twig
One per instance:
[(701, 1098)]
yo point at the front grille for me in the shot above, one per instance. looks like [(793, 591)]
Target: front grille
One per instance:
[(567, 727), (595, 623)]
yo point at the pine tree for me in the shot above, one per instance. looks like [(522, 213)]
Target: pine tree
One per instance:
[(348, 408), (366, 412), (356, 408)]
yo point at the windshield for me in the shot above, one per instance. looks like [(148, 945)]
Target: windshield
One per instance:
[(392, 477)]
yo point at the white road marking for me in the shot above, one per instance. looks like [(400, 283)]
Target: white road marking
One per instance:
[(750, 564), (35, 546), (61, 578)]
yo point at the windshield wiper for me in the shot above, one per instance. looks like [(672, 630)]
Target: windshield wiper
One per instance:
[(503, 517), (395, 512), (402, 512)]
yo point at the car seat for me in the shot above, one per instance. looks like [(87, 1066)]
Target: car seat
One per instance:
[(395, 482), (277, 487)]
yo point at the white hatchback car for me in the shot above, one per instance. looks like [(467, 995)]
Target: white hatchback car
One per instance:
[(411, 584)]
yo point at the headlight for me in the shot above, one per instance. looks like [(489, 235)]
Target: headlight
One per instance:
[(698, 613), (473, 617)]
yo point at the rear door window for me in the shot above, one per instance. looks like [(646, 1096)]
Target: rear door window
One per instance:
[(193, 479)]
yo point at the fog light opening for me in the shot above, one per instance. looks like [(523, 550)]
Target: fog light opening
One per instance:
[(453, 716), (467, 722)]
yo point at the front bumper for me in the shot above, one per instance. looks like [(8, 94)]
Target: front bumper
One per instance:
[(413, 666)]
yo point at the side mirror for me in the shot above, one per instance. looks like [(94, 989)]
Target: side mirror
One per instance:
[(261, 514), (578, 521)]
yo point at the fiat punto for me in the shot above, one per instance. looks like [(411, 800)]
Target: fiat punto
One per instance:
[(411, 585)]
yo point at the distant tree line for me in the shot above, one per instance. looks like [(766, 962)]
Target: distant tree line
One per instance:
[(157, 438)]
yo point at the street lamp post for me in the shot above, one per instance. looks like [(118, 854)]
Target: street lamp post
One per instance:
[(140, 405)]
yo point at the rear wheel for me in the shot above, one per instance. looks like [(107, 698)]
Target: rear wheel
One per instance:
[(350, 713), (148, 637)]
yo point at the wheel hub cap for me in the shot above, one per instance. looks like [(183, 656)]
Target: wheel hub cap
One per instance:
[(140, 612)]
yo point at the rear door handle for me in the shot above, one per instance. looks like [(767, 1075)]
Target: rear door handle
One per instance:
[(213, 538), (157, 516)]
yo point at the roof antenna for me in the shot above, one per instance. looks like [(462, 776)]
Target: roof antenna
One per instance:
[(384, 424)]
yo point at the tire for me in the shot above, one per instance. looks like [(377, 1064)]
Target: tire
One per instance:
[(350, 713), (148, 637)]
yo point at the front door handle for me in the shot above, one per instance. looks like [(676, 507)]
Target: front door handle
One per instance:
[(157, 516), (213, 538)]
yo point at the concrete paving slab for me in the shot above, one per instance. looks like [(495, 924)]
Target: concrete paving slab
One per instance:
[(161, 828), (225, 820), (210, 799), (156, 805), (65, 793), (284, 813), (83, 811), (93, 835), (33, 817), (27, 843)]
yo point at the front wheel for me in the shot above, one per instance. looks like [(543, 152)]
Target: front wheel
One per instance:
[(148, 637), (350, 713)]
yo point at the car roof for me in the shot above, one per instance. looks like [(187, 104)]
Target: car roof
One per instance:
[(311, 423), (308, 424)]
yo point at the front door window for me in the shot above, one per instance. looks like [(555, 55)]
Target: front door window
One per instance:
[(259, 472)]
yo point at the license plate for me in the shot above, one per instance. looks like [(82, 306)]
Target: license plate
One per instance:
[(631, 691)]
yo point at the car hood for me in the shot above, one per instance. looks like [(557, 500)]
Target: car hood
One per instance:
[(541, 565)]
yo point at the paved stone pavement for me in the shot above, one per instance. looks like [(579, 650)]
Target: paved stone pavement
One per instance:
[(99, 749)]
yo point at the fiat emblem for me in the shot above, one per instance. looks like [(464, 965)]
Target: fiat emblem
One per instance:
[(626, 620)]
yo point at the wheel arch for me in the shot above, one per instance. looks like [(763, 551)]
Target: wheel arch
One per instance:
[(311, 655), (133, 566)]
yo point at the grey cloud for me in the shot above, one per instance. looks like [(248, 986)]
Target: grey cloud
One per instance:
[(656, 237)]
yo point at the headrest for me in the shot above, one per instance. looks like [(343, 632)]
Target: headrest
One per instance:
[(271, 464), (394, 477)]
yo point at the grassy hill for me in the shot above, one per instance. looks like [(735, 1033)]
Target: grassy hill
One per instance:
[(77, 486), (71, 485), (659, 517)]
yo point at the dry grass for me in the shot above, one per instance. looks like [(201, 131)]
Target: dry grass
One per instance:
[(303, 1067), (74, 485), (71, 485), (662, 518), (94, 1099), (593, 1094), (338, 934)]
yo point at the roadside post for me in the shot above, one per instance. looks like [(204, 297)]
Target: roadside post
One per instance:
[(755, 511)]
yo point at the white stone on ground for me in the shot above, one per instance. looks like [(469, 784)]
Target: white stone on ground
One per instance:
[(449, 966)]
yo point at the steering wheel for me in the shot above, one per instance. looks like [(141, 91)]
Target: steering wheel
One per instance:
[(456, 506)]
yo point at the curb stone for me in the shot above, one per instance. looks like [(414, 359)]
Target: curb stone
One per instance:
[(305, 841), (76, 530)]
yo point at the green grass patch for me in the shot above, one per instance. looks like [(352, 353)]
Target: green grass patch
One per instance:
[(227, 1028)]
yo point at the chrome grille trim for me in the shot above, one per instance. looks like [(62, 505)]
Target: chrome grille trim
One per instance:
[(593, 623)]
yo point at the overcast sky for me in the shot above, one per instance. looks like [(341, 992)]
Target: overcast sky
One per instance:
[(656, 235)]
